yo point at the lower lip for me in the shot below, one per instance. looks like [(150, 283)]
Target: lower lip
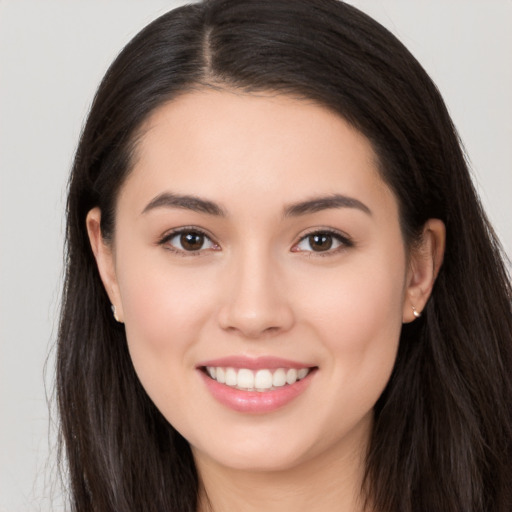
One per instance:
[(255, 402)]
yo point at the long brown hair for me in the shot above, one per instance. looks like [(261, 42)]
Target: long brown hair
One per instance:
[(442, 439)]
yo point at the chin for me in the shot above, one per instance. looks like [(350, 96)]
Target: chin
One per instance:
[(257, 460)]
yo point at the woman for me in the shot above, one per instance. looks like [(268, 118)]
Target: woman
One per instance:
[(281, 291)]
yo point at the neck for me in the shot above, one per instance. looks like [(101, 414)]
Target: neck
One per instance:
[(330, 482)]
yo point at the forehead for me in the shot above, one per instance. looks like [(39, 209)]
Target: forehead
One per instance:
[(229, 145)]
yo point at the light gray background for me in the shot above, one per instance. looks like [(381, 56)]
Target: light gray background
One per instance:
[(52, 56)]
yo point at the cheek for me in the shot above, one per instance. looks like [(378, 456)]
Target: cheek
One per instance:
[(359, 318), (164, 311), (359, 298), (164, 317), (360, 327)]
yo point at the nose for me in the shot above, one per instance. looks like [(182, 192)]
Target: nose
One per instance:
[(255, 303)]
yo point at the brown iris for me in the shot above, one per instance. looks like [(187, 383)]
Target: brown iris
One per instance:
[(320, 241), (192, 241)]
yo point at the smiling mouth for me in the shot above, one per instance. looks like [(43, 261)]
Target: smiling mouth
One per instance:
[(260, 380)]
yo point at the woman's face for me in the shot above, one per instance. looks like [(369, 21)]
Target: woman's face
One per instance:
[(256, 241)]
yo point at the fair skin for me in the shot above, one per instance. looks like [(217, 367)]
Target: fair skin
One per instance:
[(266, 264)]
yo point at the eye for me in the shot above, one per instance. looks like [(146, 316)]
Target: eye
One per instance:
[(322, 241), (188, 240)]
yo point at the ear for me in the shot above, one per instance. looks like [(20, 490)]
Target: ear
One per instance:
[(425, 262), (104, 256)]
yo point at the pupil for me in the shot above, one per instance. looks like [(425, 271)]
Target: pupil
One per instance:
[(192, 241), (320, 242)]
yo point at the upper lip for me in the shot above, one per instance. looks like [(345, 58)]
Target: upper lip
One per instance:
[(254, 363)]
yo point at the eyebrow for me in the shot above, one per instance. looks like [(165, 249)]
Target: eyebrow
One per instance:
[(196, 204), (318, 204), (186, 202)]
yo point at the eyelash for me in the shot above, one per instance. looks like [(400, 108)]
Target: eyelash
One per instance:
[(192, 230), (344, 242)]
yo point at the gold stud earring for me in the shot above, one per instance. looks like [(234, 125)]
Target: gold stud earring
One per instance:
[(415, 313)]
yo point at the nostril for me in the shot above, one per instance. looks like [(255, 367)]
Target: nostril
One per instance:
[(255, 321)]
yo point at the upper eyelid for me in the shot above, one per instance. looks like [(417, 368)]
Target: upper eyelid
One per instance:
[(330, 231), (164, 240), (344, 240), (168, 235)]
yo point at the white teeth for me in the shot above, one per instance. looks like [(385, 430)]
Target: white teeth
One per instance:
[(221, 375), (231, 377), (245, 379), (291, 376), (263, 379), (302, 373), (279, 378), (260, 380)]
